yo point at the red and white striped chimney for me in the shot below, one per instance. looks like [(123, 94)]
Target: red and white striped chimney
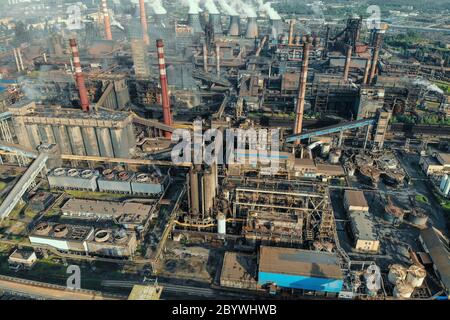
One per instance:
[(79, 78), (106, 21), (167, 117), (144, 22)]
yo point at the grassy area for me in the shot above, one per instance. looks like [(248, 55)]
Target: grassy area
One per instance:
[(3, 185), (422, 199)]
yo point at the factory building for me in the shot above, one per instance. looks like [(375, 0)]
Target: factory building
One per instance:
[(105, 134), (437, 248), (73, 179), (354, 200), (239, 270), (129, 215), (84, 239), (308, 271), (41, 201), (362, 229)]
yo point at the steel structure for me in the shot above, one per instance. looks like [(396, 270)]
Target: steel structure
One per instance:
[(22, 185)]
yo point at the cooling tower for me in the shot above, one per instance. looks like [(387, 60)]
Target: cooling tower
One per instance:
[(252, 28), (194, 22), (216, 22), (234, 29)]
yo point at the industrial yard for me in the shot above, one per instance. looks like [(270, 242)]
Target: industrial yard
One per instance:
[(238, 149)]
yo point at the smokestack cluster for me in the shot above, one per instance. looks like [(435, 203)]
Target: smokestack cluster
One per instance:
[(106, 21), (79, 78), (252, 28), (302, 88), (144, 25), (234, 30), (167, 117)]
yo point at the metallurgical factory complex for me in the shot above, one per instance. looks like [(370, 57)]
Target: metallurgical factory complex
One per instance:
[(232, 149)]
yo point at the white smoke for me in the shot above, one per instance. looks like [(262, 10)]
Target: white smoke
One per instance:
[(157, 7), (271, 12), (194, 6), (229, 10), (428, 85), (211, 7), (247, 10)]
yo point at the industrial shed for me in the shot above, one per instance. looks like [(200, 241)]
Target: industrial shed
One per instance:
[(354, 200), (299, 269)]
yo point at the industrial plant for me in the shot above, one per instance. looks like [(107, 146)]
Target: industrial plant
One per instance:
[(232, 149)]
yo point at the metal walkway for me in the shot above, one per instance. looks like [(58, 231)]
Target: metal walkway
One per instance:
[(22, 186), (332, 129)]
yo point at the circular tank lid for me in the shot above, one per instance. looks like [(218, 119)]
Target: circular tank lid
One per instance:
[(73, 172), (142, 177), (102, 236), (60, 230), (59, 172), (123, 175), (87, 173), (43, 228)]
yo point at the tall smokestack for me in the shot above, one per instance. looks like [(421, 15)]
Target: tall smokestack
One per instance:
[(16, 57), (167, 117), (348, 60), (234, 30), (302, 88), (19, 54), (205, 57), (106, 21), (376, 53), (218, 59), (252, 28), (366, 72), (194, 22), (79, 78), (291, 32), (144, 25)]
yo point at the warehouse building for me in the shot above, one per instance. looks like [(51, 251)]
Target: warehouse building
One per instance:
[(130, 215), (239, 271), (307, 271), (361, 226), (437, 247), (354, 200), (84, 239)]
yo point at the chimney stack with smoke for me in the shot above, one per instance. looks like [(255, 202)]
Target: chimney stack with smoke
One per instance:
[(167, 117), (252, 28), (79, 78), (106, 21), (302, 88), (214, 16), (144, 25)]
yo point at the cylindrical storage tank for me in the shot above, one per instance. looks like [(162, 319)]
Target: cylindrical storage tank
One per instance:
[(396, 273), (443, 182), (418, 217), (62, 139), (120, 142), (221, 223), (90, 141), (325, 149), (403, 290), (415, 276), (334, 157), (104, 140), (76, 141)]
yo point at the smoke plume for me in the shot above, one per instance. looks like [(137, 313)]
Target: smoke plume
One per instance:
[(211, 7), (158, 7)]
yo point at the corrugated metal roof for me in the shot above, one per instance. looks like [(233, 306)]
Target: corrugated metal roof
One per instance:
[(439, 254), (299, 262), (356, 198)]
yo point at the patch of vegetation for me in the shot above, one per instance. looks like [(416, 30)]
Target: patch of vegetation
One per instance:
[(422, 199), (3, 185)]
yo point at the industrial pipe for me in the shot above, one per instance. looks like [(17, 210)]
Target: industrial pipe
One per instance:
[(376, 53), (205, 57), (144, 25), (167, 117), (348, 60), (79, 78), (106, 21), (291, 32), (17, 60), (366, 72), (19, 54), (302, 88), (218, 59)]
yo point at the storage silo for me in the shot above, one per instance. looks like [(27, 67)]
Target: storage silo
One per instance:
[(120, 142), (416, 275), (76, 140), (104, 142), (221, 224), (62, 139), (396, 273), (90, 141), (403, 289)]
